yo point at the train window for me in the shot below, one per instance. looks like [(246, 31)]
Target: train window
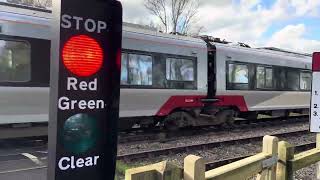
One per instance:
[(124, 68), (180, 69), (305, 80), (159, 73), (136, 69), (15, 63), (140, 69), (281, 78), (269, 77), (238, 74), (264, 77), (260, 77), (293, 79)]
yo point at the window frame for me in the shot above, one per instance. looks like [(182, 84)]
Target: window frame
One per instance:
[(231, 84), (155, 57), (30, 61), (305, 71), (239, 64), (296, 70), (40, 62), (131, 75), (135, 86), (195, 67), (255, 65), (265, 67)]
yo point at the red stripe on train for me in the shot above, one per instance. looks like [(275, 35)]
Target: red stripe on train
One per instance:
[(175, 102)]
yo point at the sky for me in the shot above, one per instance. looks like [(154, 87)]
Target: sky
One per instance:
[(288, 24)]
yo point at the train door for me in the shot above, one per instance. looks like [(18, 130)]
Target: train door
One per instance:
[(211, 74)]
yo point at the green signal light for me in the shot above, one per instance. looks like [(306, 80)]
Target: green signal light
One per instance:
[(80, 133)]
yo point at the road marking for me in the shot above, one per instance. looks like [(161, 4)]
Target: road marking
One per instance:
[(43, 152), (26, 169), (33, 158)]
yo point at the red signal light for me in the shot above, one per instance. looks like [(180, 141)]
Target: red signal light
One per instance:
[(316, 61), (82, 55), (119, 59)]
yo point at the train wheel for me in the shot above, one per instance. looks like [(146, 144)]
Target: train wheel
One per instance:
[(226, 116), (176, 120), (230, 118)]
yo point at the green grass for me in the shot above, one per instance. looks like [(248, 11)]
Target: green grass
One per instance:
[(121, 168)]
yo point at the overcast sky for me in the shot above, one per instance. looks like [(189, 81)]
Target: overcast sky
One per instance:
[(288, 24)]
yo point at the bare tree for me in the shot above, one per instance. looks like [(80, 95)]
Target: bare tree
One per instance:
[(159, 9), (177, 15)]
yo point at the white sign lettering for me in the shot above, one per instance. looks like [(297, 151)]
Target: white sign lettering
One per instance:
[(90, 25), (66, 163), (64, 103), (73, 84), (315, 103)]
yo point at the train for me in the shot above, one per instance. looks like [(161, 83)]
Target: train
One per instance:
[(173, 80)]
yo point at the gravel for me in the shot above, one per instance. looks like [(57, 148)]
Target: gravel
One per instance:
[(306, 173), (225, 151), (210, 137)]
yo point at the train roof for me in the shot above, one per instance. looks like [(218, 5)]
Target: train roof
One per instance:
[(150, 33), (267, 51), (241, 47), (262, 56), (154, 32), (25, 10)]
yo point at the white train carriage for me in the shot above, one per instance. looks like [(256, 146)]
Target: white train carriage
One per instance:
[(177, 80), (156, 69), (24, 65), (264, 80)]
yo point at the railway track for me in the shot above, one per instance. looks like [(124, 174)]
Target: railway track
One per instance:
[(29, 144), (201, 146), (215, 164), (163, 135), (143, 134)]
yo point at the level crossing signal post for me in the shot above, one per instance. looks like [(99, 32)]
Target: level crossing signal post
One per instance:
[(315, 94), (315, 102), (84, 89)]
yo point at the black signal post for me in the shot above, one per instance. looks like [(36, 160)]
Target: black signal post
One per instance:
[(84, 89)]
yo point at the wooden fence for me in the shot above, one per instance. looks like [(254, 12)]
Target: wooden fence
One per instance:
[(277, 161)]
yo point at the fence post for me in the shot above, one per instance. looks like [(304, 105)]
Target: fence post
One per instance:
[(318, 164), (194, 168), (285, 152), (270, 147)]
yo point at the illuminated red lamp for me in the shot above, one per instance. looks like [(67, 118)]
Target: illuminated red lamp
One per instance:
[(316, 61), (118, 59), (82, 55)]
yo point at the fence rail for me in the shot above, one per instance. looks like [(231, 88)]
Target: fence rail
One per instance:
[(277, 161)]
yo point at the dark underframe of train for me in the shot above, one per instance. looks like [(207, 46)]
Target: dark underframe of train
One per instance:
[(188, 117)]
